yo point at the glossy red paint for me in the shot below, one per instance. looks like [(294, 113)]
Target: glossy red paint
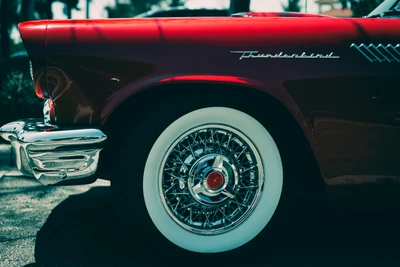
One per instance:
[(33, 34), (40, 83), (348, 107), (208, 78)]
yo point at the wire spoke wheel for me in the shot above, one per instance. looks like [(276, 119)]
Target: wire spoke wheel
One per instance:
[(211, 179)]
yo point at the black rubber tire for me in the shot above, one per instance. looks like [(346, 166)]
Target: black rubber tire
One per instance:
[(130, 153)]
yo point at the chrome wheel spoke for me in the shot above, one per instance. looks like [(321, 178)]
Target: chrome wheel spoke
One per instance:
[(218, 162), (198, 189), (228, 194), (211, 179)]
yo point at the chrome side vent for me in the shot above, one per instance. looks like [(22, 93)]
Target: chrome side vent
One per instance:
[(379, 53)]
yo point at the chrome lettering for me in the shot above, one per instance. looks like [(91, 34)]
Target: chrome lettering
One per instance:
[(304, 55)]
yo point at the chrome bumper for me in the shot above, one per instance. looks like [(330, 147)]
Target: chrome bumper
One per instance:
[(51, 154)]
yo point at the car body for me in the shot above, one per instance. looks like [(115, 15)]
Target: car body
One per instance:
[(325, 88)]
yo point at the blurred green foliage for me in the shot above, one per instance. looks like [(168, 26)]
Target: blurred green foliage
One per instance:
[(17, 96)]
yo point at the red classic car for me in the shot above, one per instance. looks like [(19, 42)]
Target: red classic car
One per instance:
[(212, 124)]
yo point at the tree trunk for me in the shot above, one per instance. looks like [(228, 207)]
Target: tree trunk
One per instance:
[(5, 37), (238, 6), (69, 12), (175, 3), (87, 8), (44, 9), (27, 10)]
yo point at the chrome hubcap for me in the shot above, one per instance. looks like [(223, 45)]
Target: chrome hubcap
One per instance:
[(211, 179)]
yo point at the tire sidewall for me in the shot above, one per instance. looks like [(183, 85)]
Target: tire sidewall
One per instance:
[(268, 202)]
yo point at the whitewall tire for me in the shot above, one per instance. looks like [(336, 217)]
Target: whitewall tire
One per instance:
[(235, 194)]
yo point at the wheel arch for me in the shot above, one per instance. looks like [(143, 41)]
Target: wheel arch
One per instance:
[(175, 88)]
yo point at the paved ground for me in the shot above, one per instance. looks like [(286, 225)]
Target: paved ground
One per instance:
[(5, 155), (25, 208), (76, 226)]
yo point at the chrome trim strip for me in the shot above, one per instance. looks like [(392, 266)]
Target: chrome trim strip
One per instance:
[(382, 48), (31, 69), (362, 52), (51, 154), (370, 51), (395, 49), (380, 52), (46, 113), (376, 49)]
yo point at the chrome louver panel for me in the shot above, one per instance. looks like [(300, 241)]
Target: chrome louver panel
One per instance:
[(379, 53)]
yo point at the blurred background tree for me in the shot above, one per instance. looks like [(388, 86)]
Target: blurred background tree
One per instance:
[(292, 6), (9, 17), (13, 12), (177, 3), (131, 8), (237, 6), (360, 8)]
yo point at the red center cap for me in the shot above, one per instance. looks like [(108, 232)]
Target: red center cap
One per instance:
[(215, 180)]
